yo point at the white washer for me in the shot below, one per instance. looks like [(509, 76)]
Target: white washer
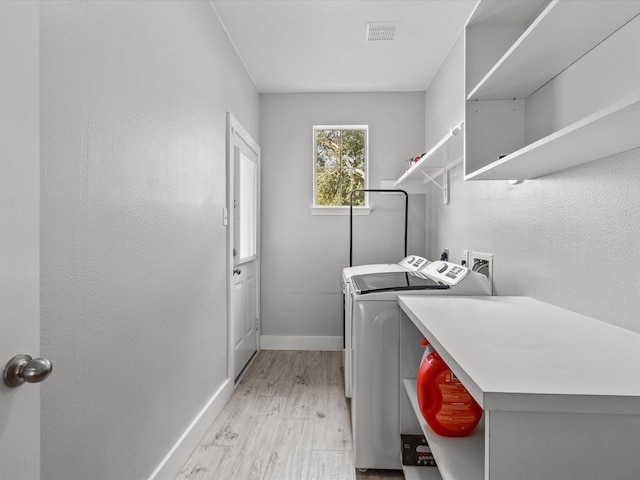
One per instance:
[(407, 264), (375, 346)]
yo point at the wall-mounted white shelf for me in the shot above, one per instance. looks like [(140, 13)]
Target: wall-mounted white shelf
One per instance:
[(549, 86), (562, 33), (543, 376), (430, 161), (604, 133), (432, 164)]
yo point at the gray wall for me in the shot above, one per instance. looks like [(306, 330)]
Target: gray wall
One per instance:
[(133, 102), (303, 254), (571, 239)]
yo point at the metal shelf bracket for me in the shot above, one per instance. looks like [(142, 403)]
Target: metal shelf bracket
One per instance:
[(445, 184)]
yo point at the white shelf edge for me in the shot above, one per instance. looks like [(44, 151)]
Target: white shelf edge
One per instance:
[(499, 12), (421, 473), (515, 60), (611, 130), (423, 162), (457, 457)]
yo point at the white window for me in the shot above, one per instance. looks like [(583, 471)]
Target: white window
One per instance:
[(340, 158), (246, 207)]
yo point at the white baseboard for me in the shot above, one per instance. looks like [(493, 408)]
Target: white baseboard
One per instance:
[(178, 455), (286, 342)]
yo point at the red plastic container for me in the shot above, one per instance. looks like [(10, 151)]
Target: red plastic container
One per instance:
[(445, 403)]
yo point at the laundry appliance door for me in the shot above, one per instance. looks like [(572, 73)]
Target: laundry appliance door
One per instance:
[(394, 281)]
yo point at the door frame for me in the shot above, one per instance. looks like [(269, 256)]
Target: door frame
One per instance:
[(235, 129)]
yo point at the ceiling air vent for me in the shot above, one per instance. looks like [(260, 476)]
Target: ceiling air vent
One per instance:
[(381, 31)]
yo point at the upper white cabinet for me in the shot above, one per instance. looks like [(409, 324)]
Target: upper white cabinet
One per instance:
[(549, 85)]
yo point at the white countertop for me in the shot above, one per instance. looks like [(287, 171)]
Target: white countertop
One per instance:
[(517, 353)]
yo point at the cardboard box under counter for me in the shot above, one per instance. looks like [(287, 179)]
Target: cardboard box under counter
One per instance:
[(416, 451)]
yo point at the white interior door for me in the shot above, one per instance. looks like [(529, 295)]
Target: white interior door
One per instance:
[(244, 201), (19, 233)]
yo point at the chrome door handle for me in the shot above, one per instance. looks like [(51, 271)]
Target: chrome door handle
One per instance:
[(22, 368), (237, 271)]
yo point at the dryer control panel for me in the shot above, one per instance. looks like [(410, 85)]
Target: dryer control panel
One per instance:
[(413, 262), (446, 272)]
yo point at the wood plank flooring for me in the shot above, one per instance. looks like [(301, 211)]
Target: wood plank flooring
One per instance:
[(288, 419)]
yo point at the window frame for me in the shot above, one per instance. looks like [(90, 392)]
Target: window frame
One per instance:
[(340, 209)]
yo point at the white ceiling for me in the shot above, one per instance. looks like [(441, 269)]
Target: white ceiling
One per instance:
[(319, 45)]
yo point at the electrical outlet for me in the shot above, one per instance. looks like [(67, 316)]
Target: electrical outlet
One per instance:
[(465, 258), (444, 256), (483, 263)]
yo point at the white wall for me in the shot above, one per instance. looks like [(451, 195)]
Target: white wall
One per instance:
[(133, 104), (303, 254), (569, 239), (444, 99)]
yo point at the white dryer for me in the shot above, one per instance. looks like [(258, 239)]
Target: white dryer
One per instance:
[(410, 263), (375, 342)]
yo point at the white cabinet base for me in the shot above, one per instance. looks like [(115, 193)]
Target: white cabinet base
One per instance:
[(560, 403), (562, 446)]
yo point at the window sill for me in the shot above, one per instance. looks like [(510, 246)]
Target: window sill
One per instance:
[(340, 211)]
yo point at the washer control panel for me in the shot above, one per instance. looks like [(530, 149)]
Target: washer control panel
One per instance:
[(413, 262), (446, 272)]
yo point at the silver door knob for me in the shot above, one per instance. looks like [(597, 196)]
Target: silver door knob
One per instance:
[(22, 368)]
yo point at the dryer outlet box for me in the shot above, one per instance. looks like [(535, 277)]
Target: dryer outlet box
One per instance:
[(483, 263)]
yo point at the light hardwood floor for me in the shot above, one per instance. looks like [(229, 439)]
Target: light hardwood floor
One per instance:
[(288, 419)]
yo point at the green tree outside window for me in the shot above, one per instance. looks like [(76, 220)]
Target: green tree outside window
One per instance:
[(340, 165)]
